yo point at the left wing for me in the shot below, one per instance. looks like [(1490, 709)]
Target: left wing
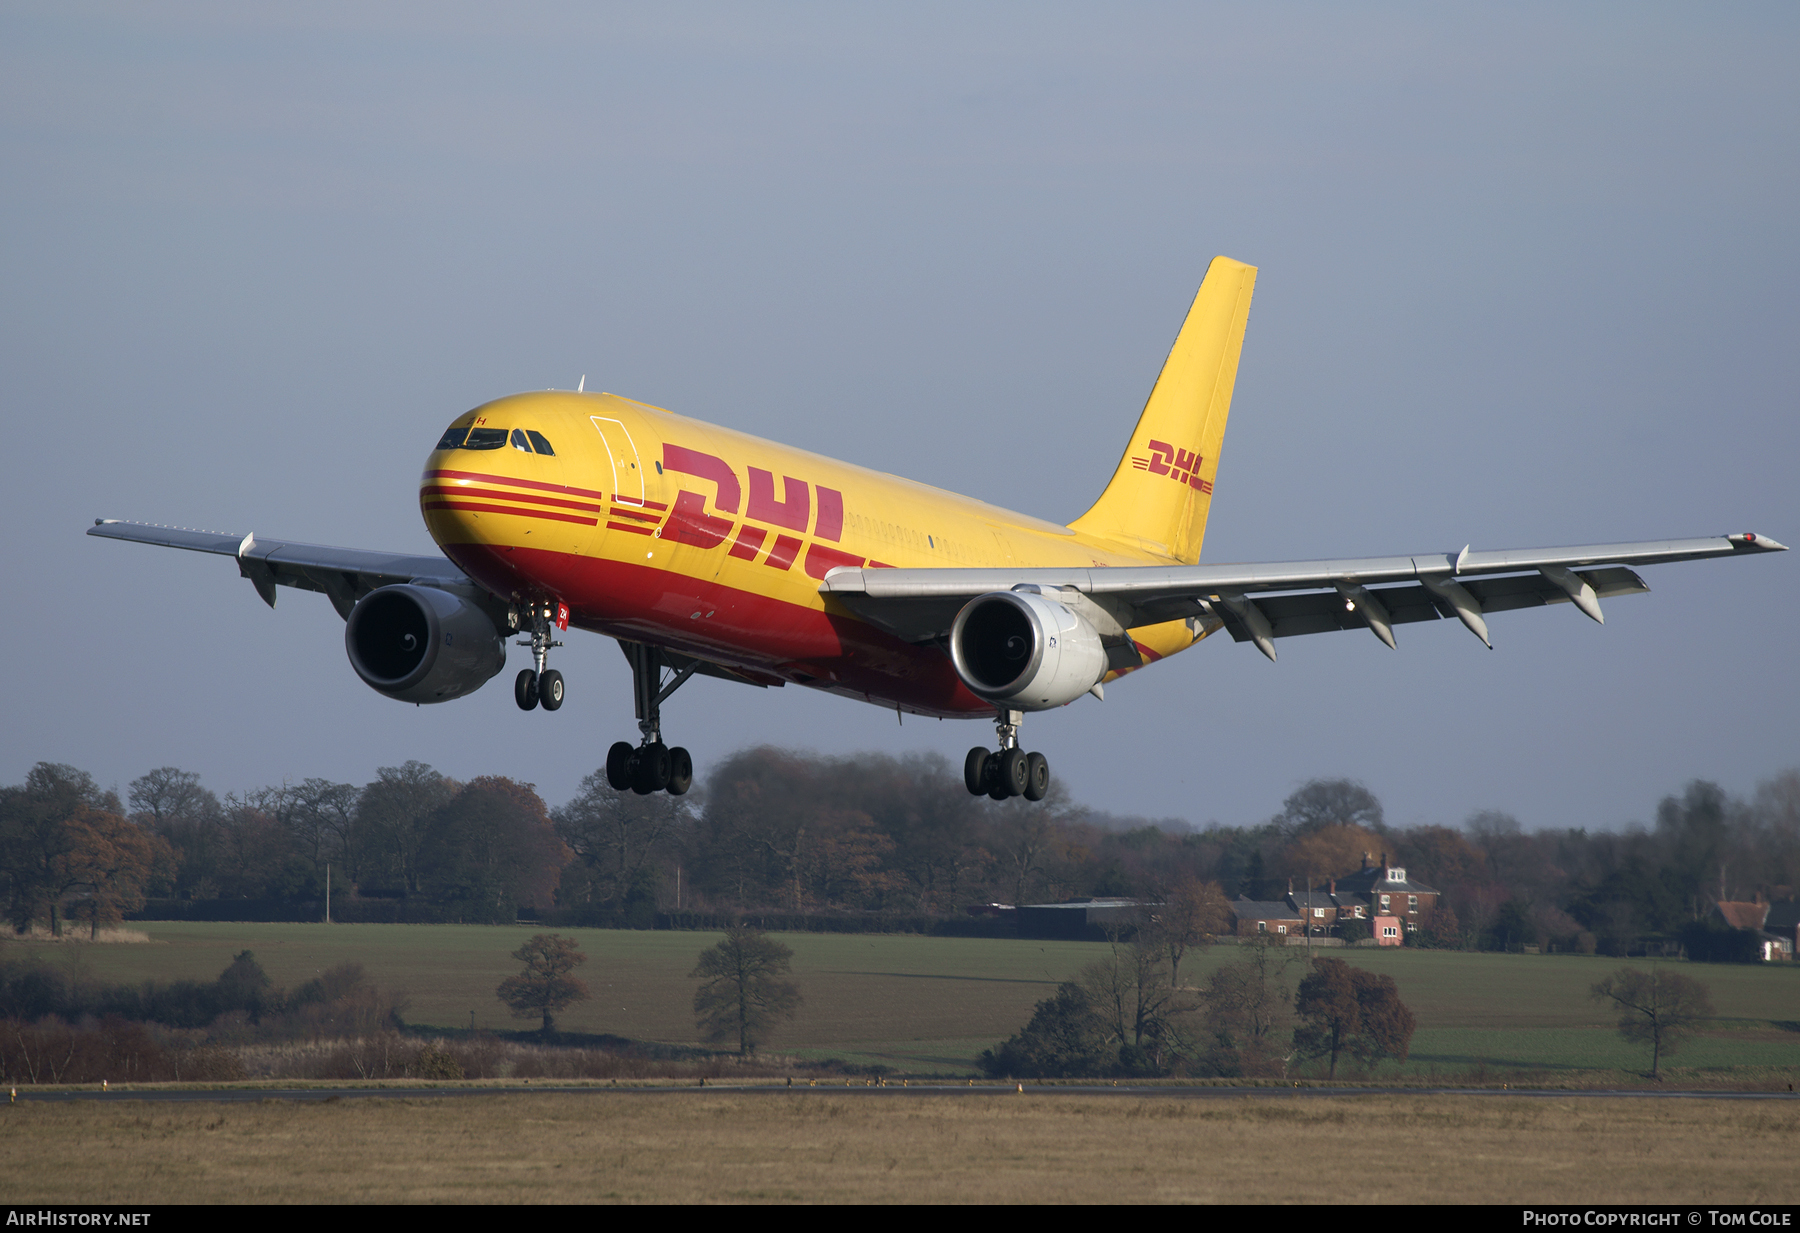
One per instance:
[(344, 575), (1261, 602)]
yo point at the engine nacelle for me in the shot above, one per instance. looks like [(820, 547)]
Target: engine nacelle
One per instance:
[(1025, 652), (422, 644)]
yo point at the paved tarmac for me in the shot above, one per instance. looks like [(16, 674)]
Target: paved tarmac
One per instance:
[(860, 1088)]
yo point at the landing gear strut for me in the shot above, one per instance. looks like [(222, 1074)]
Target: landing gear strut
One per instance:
[(1010, 771), (534, 686), (651, 766)]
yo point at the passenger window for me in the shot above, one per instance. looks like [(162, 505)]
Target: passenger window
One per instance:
[(538, 443), (452, 438), (519, 442), (485, 439)]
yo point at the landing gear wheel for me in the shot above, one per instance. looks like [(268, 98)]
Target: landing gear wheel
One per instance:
[(550, 690), (681, 771), (618, 766), (975, 770), (1014, 772), (1037, 776), (650, 769), (525, 690)]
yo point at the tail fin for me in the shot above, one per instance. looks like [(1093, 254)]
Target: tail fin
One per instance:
[(1159, 497)]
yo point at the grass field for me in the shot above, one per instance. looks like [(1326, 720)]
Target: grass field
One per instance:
[(693, 1146), (928, 1005)]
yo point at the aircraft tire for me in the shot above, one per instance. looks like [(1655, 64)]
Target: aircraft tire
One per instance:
[(651, 770), (1037, 776), (1015, 770), (681, 771), (975, 770), (525, 689), (618, 766), (550, 690)]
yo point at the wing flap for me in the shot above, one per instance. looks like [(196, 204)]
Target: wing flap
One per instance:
[(1300, 597)]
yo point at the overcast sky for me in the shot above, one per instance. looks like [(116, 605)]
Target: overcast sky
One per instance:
[(1527, 278)]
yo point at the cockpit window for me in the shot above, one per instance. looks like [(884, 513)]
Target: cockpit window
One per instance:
[(485, 439), (452, 438), (519, 442), (538, 441)]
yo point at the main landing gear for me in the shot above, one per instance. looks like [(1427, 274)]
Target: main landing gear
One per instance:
[(651, 766), (532, 687), (1010, 771)]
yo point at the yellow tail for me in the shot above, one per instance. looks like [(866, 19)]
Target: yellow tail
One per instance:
[(1159, 497)]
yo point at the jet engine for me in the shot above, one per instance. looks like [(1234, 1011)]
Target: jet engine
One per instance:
[(422, 644), (1024, 651)]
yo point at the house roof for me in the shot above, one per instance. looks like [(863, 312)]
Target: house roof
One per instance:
[(1783, 915), (1741, 915), (1315, 898), (1263, 909), (1374, 881)]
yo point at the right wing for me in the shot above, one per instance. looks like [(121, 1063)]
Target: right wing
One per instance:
[(1261, 602), (343, 575)]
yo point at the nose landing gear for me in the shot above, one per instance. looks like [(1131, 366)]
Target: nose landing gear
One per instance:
[(1010, 771), (650, 766), (534, 686)]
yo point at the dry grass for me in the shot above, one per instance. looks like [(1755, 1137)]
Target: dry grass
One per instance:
[(693, 1146)]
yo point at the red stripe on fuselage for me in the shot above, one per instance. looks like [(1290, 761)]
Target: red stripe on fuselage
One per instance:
[(540, 485), (745, 629), (483, 508), (441, 490)]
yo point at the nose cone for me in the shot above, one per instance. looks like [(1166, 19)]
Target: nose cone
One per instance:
[(497, 481)]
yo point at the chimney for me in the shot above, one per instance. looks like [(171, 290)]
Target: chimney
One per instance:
[(1384, 867), (1365, 867)]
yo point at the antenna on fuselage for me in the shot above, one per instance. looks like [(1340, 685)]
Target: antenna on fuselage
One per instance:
[(581, 386)]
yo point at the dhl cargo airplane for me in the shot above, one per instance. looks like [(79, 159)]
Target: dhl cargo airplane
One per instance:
[(705, 550)]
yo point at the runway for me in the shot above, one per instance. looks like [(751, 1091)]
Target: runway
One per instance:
[(859, 1088)]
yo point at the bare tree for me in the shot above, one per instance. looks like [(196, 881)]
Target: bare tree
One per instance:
[(742, 992), (396, 809), (618, 835), (1330, 802), (1657, 1007), (1249, 1006)]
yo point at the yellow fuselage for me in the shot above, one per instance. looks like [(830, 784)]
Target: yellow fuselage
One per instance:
[(657, 528)]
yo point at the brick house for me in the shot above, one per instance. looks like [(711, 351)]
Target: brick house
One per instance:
[(1775, 930), (1388, 891)]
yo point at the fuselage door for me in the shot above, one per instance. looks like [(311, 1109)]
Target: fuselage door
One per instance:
[(628, 472)]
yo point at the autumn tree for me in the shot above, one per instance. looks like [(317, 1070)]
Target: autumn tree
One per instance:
[(1349, 1010), (1191, 914), (742, 993), (548, 984), (1655, 1007), (45, 825), (111, 861)]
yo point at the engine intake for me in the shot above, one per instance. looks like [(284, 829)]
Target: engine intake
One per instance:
[(1026, 651), (422, 644)]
